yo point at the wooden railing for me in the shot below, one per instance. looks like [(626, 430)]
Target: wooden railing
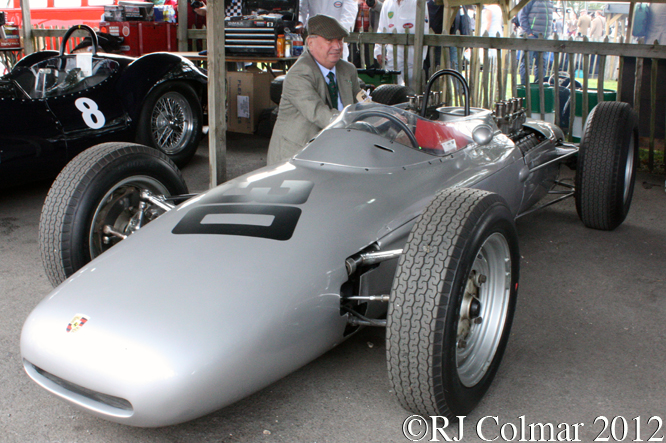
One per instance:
[(50, 39)]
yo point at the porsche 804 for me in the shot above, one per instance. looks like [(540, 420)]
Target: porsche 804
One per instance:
[(391, 217)]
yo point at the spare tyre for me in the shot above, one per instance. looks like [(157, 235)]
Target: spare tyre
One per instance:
[(391, 94)]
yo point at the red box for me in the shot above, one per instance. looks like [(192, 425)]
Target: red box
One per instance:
[(144, 37)]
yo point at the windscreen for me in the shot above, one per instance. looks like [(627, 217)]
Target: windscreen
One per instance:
[(404, 127)]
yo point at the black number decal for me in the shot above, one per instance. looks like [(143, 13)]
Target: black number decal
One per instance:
[(287, 192), (281, 228), (222, 215)]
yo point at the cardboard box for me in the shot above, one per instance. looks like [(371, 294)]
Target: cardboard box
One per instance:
[(248, 93)]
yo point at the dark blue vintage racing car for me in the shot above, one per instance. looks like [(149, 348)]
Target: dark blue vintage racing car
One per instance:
[(55, 105)]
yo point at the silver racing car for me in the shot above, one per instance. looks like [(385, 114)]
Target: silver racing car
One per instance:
[(392, 217)]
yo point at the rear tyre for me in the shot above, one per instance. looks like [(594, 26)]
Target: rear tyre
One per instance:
[(452, 303), (99, 187), (171, 120), (606, 168), (391, 94), (276, 89)]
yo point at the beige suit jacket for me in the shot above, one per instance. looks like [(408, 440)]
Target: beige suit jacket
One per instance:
[(305, 106)]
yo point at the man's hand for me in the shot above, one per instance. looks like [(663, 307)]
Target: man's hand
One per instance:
[(379, 59)]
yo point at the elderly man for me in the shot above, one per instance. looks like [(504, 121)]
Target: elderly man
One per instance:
[(315, 90)]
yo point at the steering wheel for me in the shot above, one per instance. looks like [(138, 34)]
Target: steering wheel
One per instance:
[(364, 126), (93, 38), (393, 119)]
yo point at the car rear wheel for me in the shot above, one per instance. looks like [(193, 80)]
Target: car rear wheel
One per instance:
[(171, 120), (452, 303), (98, 192), (606, 169)]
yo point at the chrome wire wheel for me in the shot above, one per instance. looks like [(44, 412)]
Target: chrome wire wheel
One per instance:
[(172, 123), (483, 310), (119, 210)]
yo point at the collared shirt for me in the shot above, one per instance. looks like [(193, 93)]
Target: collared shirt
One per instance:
[(325, 72)]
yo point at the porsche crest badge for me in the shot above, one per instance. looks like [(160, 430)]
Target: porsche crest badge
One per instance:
[(77, 322)]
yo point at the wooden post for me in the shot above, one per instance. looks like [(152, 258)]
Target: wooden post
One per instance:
[(217, 87), (653, 111), (630, 22), (181, 32), (28, 45), (419, 30)]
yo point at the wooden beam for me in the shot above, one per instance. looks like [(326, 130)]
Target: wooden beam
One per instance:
[(516, 9), (419, 30), (217, 108), (28, 45), (181, 33)]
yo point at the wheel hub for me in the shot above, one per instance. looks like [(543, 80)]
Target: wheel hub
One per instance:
[(483, 310), (470, 308)]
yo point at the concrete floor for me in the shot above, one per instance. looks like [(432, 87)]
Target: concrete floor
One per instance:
[(587, 341)]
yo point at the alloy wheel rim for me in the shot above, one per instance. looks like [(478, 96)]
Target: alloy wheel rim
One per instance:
[(483, 310)]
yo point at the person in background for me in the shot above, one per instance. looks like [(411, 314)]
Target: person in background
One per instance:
[(572, 23), (362, 25), (375, 8), (315, 89), (399, 15), (536, 19), (597, 27), (583, 23), (657, 26), (344, 11), (491, 20), (436, 14), (558, 27)]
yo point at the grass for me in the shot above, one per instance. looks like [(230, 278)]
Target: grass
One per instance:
[(644, 155)]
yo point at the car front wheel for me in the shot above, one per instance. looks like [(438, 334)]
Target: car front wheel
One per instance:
[(452, 303), (96, 201)]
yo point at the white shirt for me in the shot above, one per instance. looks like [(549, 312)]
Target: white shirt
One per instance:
[(344, 11), (400, 16), (325, 72)]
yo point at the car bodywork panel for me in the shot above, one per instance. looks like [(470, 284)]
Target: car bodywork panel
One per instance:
[(252, 272)]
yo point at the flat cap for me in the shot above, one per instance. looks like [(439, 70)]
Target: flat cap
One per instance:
[(326, 26)]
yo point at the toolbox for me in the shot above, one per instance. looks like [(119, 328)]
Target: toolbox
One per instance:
[(140, 37), (256, 31)]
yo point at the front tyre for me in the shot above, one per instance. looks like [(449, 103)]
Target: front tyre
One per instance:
[(171, 120), (606, 169), (100, 189), (452, 303)]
